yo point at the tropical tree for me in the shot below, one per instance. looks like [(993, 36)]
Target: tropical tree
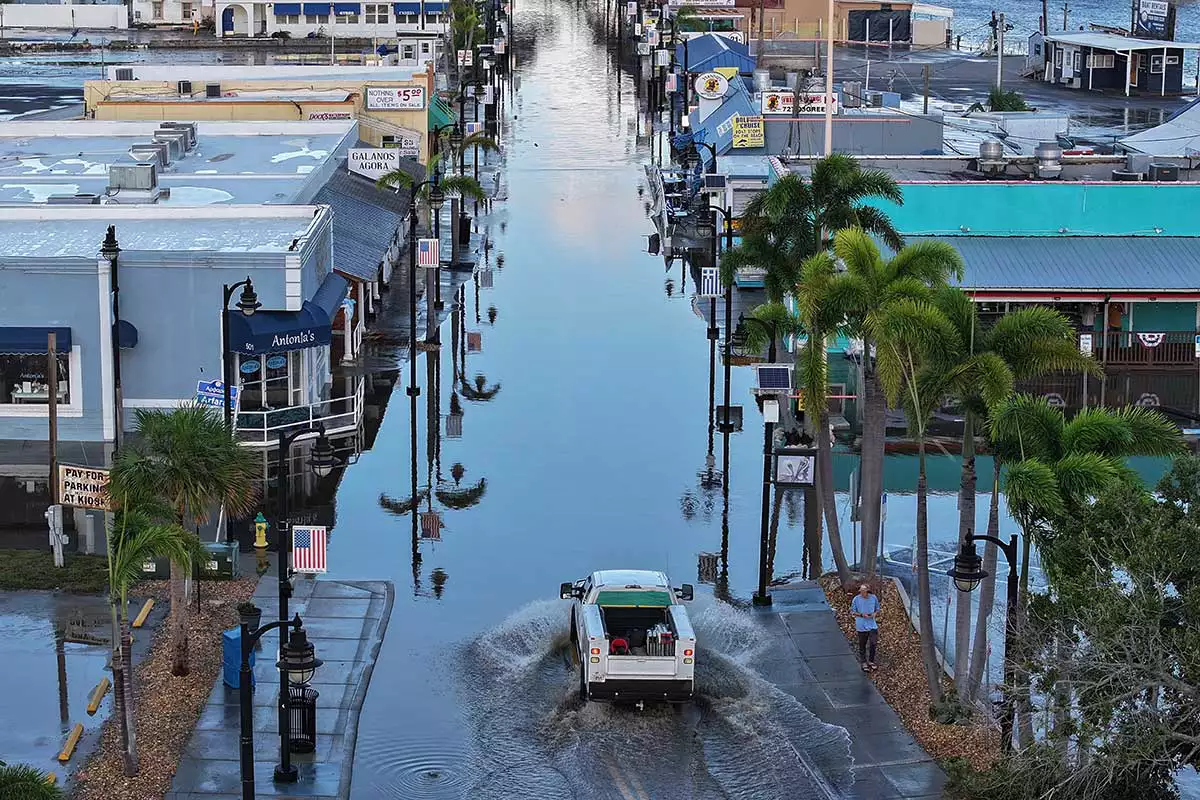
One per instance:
[(463, 184), (1023, 344), (870, 289), (185, 463), (23, 782), (471, 143), (797, 218), (136, 539)]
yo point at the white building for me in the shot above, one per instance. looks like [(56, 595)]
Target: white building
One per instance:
[(173, 12), (384, 21)]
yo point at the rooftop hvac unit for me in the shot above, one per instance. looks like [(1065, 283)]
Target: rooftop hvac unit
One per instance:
[(1125, 175), (190, 127), (185, 88), (137, 177), (991, 157), (212, 90), (875, 99), (1049, 160), (177, 139), (124, 73), (81, 199), (852, 94), (1138, 162), (1164, 172), (157, 152)]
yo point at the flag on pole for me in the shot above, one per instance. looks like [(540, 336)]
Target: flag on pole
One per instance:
[(309, 553), (431, 525), (427, 253), (710, 282)]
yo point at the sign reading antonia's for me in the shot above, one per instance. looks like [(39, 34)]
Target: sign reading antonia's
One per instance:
[(83, 487)]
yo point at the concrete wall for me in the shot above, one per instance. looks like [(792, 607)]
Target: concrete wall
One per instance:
[(22, 15)]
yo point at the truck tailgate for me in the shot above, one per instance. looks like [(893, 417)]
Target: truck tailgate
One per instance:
[(650, 666)]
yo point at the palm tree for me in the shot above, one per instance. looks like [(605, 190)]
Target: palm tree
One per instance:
[(868, 291), (1023, 344), (472, 143), (23, 782), (1056, 466), (462, 184), (136, 540), (184, 461), (797, 218)]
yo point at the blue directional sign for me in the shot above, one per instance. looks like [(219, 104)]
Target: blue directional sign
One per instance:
[(212, 393)]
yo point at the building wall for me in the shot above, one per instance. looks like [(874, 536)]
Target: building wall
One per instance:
[(172, 12), (200, 111), (259, 19), (1113, 78), (1161, 317), (22, 15)]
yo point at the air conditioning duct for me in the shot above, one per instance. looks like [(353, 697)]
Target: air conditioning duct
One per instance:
[(185, 88), (212, 90), (852, 94), (177, 140), (1164, 173), (1138, 162), (139, 177)]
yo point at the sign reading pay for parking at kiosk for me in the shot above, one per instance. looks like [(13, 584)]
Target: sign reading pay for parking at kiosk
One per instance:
[(83, 487)]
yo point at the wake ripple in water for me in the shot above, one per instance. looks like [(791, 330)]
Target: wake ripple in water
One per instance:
[(743, 738)]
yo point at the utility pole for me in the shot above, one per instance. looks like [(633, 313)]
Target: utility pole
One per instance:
[(926, 89), (828, 103), (54, 512), (1066, 10), (1045, 26), (1000, 52)]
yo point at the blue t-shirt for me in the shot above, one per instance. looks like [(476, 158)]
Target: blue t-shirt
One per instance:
[(865, 605)]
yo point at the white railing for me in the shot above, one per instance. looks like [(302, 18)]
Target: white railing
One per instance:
[(338, 415)]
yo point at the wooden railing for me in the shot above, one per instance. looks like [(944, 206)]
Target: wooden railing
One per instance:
[(1146, 349)]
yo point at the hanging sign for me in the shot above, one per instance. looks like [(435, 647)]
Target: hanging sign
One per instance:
[(795, 467), (375, 162), (631, 8), (672, 82), (499, 46), (748, 132), (1085, 343), (466, 58), (212, 394), (83, 487), (781, 102), (489, 95), (652, 37), (711, 85)]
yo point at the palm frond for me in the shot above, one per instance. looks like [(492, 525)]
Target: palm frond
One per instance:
[(396, 179), (1028, 427), (988, 377), (1084, 475), (141, 540), (930, 261), (464, 185), (857, 251), (480, 141), (1151, 433), (23, 782), (1031, 488), (1096, 430)]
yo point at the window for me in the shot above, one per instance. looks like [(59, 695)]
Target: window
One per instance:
[(1172, 60), (407, 19), (378, 14), (408, 52), (1156, 65), (1101, 61), (1037, 48), (316, 19), (187, 10), (156, 10), (347, 19), (269, 382), (23, 379), (1058, 57), (424, 48), (1077, 61), (287, 19), (433, 19)]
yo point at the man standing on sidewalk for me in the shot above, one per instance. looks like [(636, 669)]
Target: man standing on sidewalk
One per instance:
[(864, 608)]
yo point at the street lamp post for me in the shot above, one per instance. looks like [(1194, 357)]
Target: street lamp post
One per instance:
[(247, 304), (111, 252), (296, 664), (762, 598), (321, 462), (725, 426), (966, 573)]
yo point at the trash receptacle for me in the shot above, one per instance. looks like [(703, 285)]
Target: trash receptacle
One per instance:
[(231, 658), (303, 711)]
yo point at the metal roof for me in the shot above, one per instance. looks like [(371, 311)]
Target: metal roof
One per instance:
[(1178, 136), (712, 50), (1109, 41), (1080, 263), (364, 220)]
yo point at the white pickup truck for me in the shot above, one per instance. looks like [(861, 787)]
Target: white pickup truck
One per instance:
[(632, 636)]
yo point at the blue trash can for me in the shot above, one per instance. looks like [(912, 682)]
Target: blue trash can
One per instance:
[(231, 654)]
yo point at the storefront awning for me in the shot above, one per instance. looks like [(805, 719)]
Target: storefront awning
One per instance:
[(127, 335), (286, 8), (279, 331), (407, 8), (347, 8), (31, 341), (316, 8), (439, 114)]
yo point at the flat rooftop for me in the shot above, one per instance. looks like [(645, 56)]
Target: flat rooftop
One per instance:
[(264, 96), (232, 162), (264, 72), (964, 169), (76, 231)]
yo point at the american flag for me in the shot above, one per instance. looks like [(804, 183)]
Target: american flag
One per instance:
[(474, 342), (710, 282), (308, 549), (427, 253), (431, 525)]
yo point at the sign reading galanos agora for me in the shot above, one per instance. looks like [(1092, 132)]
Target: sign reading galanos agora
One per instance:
[(83, 487)]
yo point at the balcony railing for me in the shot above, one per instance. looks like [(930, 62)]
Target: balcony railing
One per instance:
[(1146, 349), (339, 415)]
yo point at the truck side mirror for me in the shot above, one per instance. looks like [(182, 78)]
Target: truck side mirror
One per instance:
[(685, 592), (566, 591)]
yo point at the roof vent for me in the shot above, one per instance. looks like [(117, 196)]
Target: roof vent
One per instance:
[(991, 157), (81, 199), (124, 73), (185, 88), (190, 127), (134, 183), (1049, 160), (158, 152), (1138, 162), (212, 90), (852, 94), (176, 139)]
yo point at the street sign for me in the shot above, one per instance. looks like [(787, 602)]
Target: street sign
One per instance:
[(212, 394), (309, 554), (83, 487)]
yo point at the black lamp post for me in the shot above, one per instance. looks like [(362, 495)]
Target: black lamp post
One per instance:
[(322, 462), (437, 199), (296, 665), (725, 426), (966, 573), (712, 150), (762, 598), (412, 270), (247, 304), (110, 251)]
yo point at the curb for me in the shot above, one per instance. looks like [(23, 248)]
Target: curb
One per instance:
[(360, 692)]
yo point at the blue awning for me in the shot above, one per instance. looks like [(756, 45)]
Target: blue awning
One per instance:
[(436, 7), (280, 331), (286, 8), (32, 341), (347, 8), (316, 8), (407, 8)]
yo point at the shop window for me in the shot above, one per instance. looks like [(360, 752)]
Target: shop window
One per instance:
[(157, 10), (424, 48), (409, 52), (1099, 61), (287, 19), (1058, 57), (433, 19), (270, 381), (347, 19), (187, 10), (316, 19), (23, 379), (1077, 61), (1156, 65), (378, 14), (1172, 60)]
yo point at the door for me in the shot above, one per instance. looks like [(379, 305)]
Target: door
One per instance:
[(1135, 66), (1068, 63), (227, 20)]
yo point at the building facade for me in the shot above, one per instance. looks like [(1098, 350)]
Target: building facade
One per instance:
[(379, 21)]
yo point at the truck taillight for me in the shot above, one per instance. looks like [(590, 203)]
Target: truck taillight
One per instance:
[(687, 652), (595, 651)]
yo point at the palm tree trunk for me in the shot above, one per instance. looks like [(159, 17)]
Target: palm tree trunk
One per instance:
[(828, 496), (813, 566), (928, 656), (773, 535), (129, 720), (871, 486), (179, 615), (128, 744), (966, 526), (987, 591)]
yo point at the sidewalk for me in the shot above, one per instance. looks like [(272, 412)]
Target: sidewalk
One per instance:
[(346, 622), (813, 663)]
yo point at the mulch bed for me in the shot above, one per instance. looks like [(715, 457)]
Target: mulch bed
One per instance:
[(901, 680), (167, 707)]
